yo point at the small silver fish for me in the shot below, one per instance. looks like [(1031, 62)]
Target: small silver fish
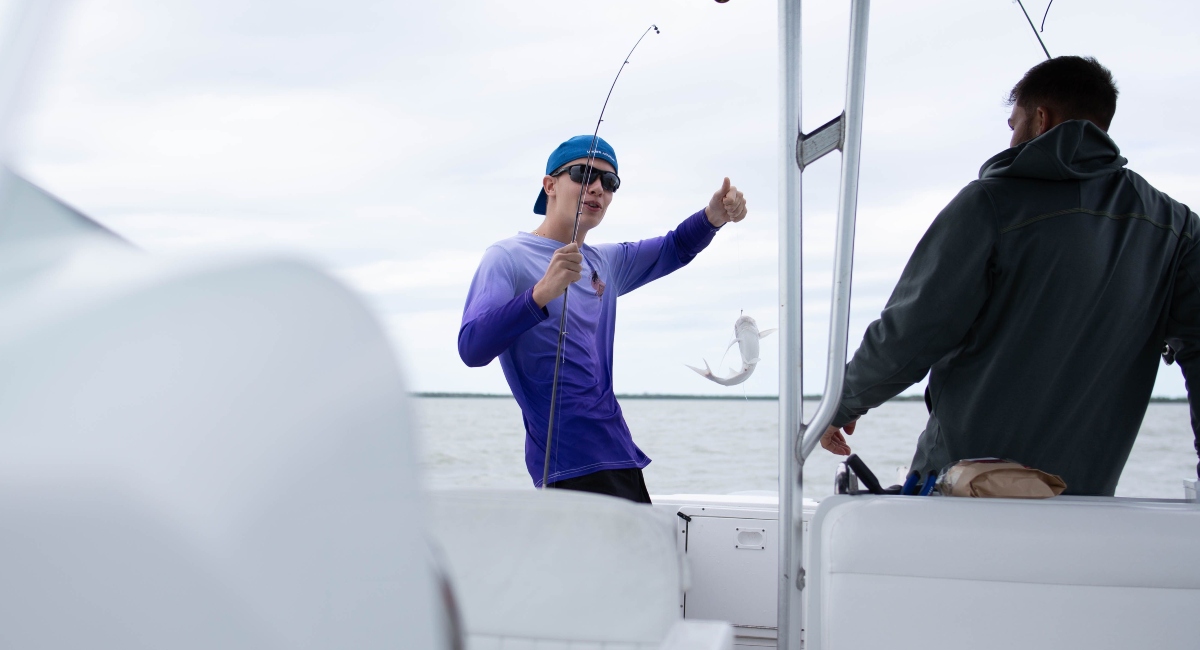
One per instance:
[(746, 336)]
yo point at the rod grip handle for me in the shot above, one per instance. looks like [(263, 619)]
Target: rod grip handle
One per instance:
[(864, 474)]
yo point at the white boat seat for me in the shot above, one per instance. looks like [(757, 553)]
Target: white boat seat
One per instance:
[(1081, 572), (202, 455), (557, 570)]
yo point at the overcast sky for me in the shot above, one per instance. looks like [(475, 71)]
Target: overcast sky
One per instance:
[(392, 142)]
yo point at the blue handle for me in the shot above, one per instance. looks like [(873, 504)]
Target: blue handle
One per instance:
[(928, 487), (910, 483)]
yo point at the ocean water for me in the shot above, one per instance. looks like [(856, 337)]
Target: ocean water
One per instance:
[(723, 446)]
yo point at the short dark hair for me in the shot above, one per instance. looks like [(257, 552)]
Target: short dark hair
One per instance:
[(1077, 88)]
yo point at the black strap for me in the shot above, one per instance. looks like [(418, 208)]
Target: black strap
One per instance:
[(864, 474)]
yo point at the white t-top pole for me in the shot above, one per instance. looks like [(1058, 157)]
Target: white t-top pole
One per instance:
[(791, 337), (797, 440)]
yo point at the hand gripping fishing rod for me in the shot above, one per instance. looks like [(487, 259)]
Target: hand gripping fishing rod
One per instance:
[(562, 319)]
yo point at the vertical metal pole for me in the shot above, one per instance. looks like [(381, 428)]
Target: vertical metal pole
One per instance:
[(796, 439), (791, 340), (843, 255)]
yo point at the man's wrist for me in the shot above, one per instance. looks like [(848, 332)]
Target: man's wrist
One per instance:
[(538, 296), (708, 216), (532, 305)]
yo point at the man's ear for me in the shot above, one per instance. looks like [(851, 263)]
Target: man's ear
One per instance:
[(548, 185), (1045, 119)]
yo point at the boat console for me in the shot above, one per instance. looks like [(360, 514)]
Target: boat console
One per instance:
[(882, 571), (1067, 572)]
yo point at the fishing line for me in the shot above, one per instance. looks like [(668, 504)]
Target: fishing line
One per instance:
[(728, 347), (1046, 14), (562, 319), (741, 262), (1035, 30), (737, 240)]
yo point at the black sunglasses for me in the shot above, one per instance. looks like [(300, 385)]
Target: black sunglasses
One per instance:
[(608, 180)]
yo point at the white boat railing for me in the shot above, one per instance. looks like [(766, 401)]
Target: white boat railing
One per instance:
[(797, 439)]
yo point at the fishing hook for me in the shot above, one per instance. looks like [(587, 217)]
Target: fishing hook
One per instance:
[(1035, 31), (562, 319)]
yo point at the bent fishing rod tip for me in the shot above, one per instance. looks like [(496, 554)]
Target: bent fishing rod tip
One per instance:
[(655, 27)]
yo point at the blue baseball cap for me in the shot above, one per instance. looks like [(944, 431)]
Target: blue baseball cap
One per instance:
[(577, 147)]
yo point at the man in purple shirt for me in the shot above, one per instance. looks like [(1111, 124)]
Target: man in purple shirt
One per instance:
[(520, 284)]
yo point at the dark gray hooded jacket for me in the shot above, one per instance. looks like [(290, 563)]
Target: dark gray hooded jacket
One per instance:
[(1038, 301)]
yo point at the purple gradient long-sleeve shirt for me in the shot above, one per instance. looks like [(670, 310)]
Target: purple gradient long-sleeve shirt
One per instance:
[(501, 319)]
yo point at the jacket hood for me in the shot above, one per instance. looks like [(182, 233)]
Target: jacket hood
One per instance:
[(1073, 150)]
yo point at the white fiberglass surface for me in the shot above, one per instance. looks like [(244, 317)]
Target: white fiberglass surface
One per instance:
[(198, 455), (1077, 572), (559, 565), (1052, 616)]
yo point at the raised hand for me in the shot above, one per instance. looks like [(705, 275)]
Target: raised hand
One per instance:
[(566, 266), (727, 204)]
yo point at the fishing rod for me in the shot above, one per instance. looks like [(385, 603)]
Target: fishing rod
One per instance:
[(1035, 30), (562, 319)]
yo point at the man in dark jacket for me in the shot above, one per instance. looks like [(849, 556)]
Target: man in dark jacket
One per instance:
[(1039, 300)]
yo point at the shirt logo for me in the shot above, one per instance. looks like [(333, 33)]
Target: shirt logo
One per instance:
[(597, 284)]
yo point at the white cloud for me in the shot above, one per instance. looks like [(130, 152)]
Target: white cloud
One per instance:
[(395, 141), (443, 269)]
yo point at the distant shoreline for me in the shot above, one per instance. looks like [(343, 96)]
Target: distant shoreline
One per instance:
[(761, 398)]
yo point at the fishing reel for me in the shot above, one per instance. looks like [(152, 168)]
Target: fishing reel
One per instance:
[(853, 470)]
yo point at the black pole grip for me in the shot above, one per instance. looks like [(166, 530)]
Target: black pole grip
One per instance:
[(864, 474)]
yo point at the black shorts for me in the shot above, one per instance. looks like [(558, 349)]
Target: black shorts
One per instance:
[(624, 483)]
